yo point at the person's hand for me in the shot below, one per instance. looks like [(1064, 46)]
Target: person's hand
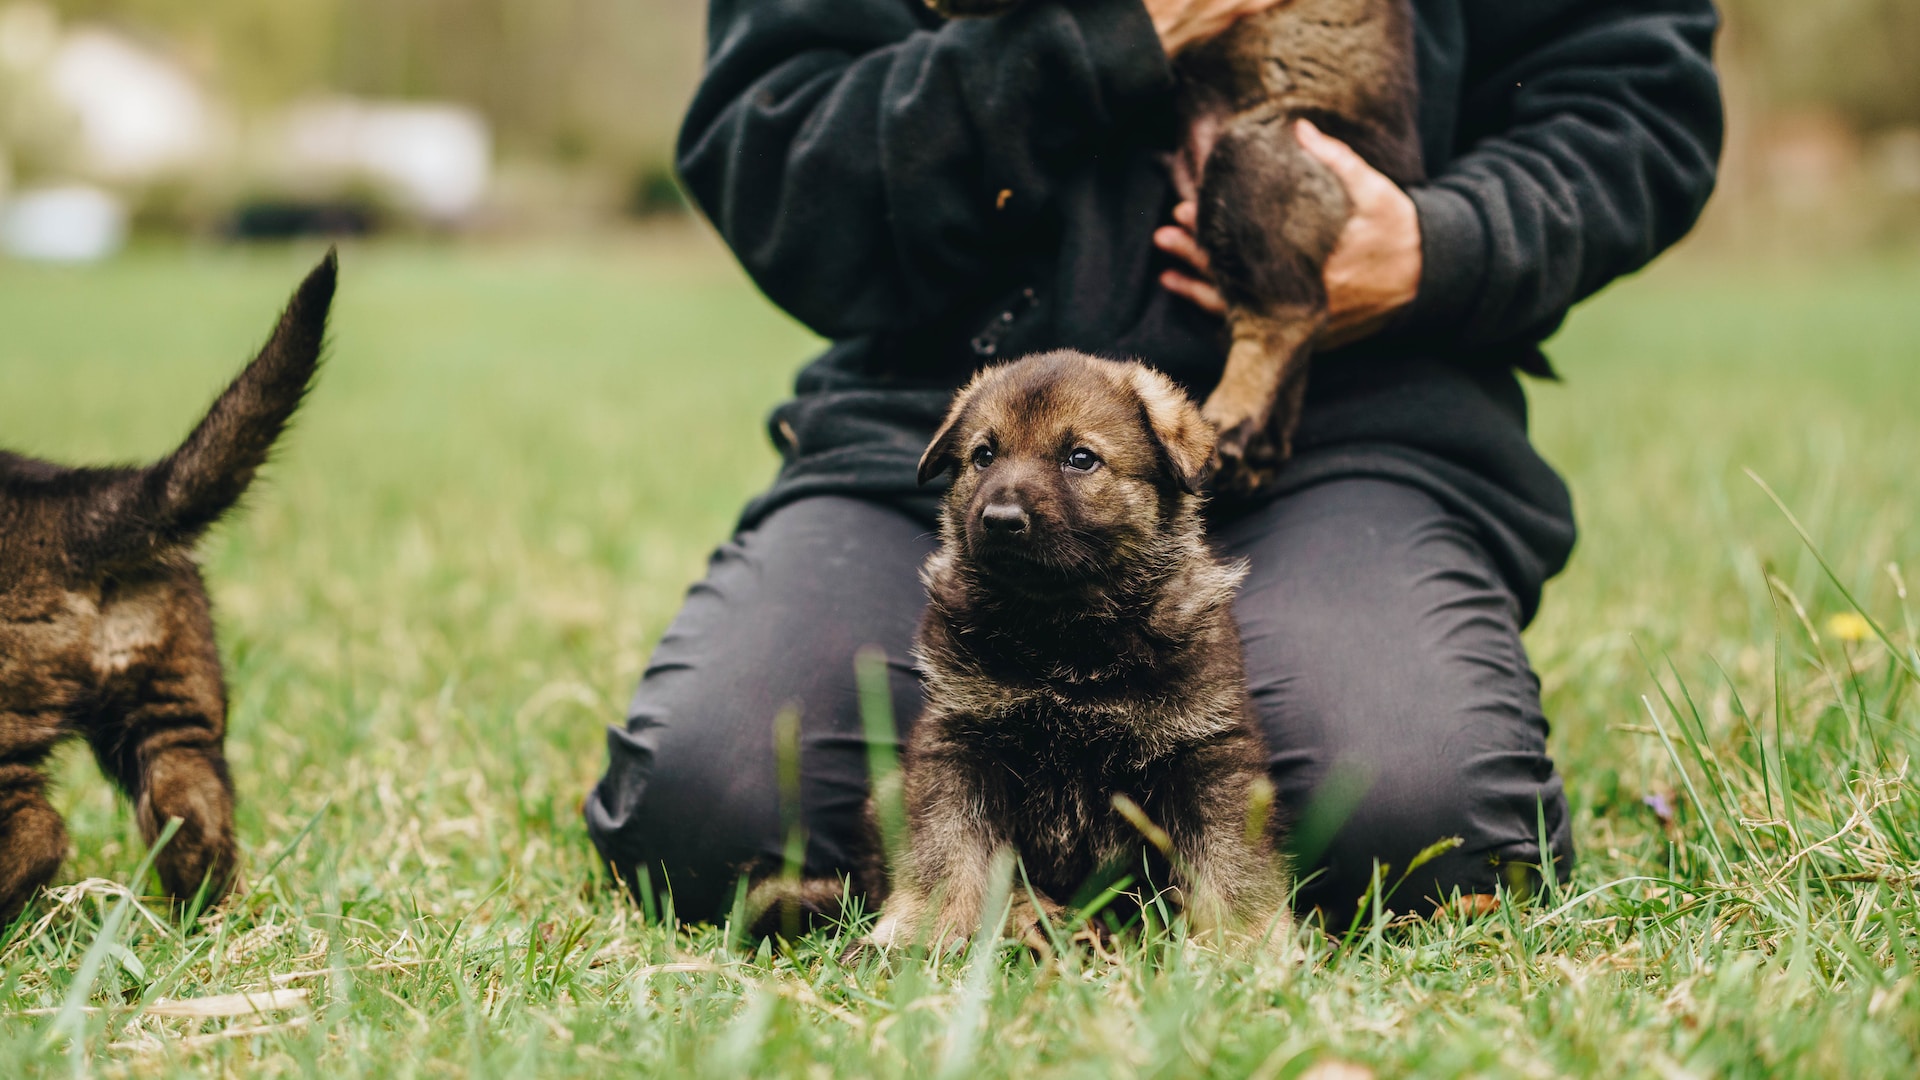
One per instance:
[(1187, 22), (1374, 270)]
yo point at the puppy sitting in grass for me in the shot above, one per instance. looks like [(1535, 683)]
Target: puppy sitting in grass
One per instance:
[(1086, 701), (105, 631)]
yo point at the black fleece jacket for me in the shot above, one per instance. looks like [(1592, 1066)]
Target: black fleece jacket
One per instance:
[(933, 196)]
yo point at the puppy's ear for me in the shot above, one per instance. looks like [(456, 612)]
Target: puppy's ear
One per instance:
[(1182, 436), (943, 453)]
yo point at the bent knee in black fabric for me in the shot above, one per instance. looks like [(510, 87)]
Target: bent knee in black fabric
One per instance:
[(1385, 663), (692, 791)]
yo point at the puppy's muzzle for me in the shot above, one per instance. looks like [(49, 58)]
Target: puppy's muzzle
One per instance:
[(1006, 520)]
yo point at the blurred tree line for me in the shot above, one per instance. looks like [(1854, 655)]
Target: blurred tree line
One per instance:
[(599, 81), (607, 79), (1819, 90), (1859, 58)]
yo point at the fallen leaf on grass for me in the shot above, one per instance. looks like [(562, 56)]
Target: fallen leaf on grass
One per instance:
[(229, 1004), (150, 1045)]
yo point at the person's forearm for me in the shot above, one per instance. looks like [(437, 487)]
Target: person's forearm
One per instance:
[(869, 164), (1587, 152)]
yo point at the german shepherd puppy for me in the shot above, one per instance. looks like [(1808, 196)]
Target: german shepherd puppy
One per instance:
[(1270, 213), (105, 631), (1086, 703)]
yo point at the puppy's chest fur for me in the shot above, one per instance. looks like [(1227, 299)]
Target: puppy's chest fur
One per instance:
[(1052, 717)]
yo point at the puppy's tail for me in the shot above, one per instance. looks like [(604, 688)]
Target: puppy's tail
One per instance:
[(177, 499), (212, 469)]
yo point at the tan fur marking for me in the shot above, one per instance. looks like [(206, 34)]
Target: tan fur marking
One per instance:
[(131, 626)]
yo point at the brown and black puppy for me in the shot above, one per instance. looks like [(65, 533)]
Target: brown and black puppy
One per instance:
[(1079, 652), (104, 626), (1270, 213)]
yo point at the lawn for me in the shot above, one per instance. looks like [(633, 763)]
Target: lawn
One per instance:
[(516, 461)]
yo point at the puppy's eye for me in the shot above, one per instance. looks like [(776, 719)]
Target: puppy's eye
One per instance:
[(982, 457), (1083, 460)]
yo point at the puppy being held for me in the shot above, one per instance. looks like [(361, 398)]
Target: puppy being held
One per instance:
[(1269, 212), (1086, 700), (105, 631)]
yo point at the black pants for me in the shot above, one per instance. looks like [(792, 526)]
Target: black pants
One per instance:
[(1382, 648)]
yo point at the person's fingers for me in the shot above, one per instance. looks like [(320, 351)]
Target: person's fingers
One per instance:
[(1180, 244), (1351, 168), (1197, 292)]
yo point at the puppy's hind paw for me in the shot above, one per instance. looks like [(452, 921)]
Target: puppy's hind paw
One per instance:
[(1234, 440), (1246, 461)]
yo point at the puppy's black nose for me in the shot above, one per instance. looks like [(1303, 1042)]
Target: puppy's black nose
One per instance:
[(1006, 517)]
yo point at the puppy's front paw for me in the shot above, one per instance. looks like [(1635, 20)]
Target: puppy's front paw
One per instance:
[(885, 935)]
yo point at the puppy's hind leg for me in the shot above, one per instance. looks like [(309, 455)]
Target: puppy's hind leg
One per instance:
[(1257, 404), (33, 839), (191, 783), (164, 751), (1270, 215), (181, 774)]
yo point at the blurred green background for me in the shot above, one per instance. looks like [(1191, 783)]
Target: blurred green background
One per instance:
[(583, 98)]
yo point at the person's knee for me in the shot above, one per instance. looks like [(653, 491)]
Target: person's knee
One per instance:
[(1419, 832), (1384, 657), (689, 796), (692, 787), (672, 816)]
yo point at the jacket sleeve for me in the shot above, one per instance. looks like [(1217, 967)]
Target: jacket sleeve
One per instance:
[(867, 161), (1589, 138)]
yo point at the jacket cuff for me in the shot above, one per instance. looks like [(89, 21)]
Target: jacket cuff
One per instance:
[(1453, 259), (1133, 69)]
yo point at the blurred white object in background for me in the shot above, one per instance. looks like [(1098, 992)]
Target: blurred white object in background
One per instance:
[(434, 159), (76, 223), (141, 115)]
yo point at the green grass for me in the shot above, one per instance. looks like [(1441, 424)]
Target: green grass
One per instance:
[(515, 463)]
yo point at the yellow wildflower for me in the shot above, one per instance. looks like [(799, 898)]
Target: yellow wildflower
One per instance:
[(1849, 626)]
